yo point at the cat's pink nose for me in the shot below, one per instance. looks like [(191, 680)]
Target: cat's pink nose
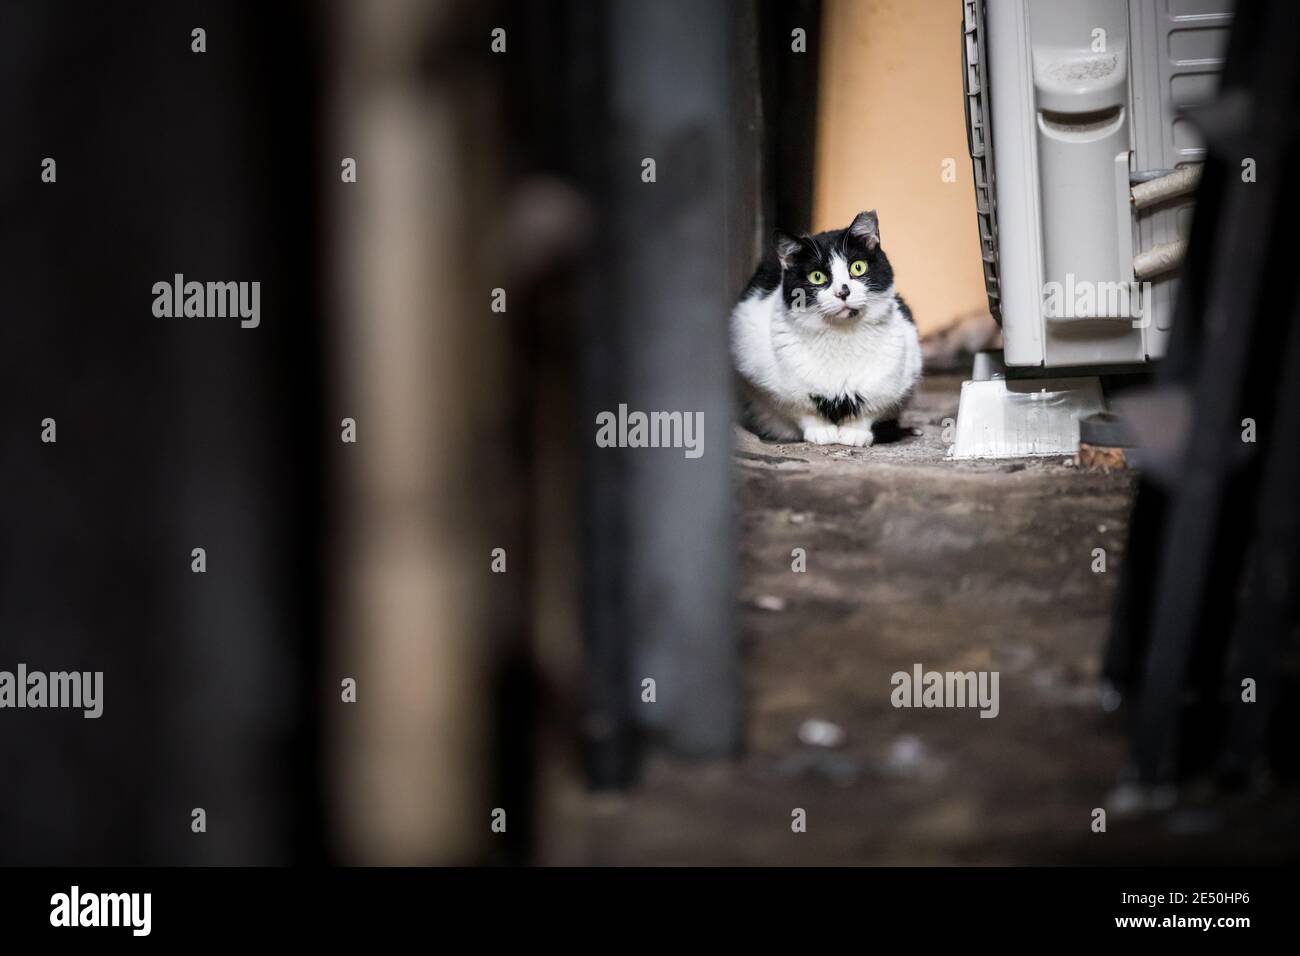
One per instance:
[(843, 292)]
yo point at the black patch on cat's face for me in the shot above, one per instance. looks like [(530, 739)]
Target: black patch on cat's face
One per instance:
[(839, 408), (800, 256)]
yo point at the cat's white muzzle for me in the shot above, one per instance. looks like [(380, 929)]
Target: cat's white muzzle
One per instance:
[(837, 311), (861, 304), (845, 313)]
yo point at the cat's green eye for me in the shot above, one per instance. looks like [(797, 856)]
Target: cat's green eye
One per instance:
[(817, 277), (858, 267)]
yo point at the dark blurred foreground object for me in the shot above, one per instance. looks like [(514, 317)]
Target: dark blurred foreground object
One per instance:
[(715, 95), (173, 434), (1206, 616), (329, 562)]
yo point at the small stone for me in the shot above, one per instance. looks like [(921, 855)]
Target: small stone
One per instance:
[(769, 602), (821, 733), (906, 754)]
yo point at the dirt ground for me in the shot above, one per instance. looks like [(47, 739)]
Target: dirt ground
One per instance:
[(913, 559)]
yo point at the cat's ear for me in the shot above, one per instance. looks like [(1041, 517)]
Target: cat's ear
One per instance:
[(866, 227), (786, 246)]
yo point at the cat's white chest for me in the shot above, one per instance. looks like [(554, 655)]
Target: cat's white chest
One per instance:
[(878, 361)]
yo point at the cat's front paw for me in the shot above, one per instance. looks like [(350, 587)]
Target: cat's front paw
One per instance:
[(822, 434), (856, 436)]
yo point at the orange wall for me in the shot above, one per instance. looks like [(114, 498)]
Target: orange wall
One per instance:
[(891, 112)]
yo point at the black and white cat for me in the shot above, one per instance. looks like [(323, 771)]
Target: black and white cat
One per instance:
[(824, 346)]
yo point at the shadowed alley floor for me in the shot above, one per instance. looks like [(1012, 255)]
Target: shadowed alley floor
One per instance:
[(912, 559)]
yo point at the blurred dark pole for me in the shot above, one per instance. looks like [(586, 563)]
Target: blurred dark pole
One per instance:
[(676, 247), (172, 433), (718, 98), (1208, 593)]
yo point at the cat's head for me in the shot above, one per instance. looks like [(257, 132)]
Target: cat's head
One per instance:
[(837, 277)]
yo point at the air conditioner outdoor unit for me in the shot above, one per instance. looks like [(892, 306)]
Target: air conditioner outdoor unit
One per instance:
[(1084, 164)]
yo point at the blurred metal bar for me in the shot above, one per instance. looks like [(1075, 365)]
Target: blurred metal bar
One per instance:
[(718, 99), (1266, 619), (673, 245), (1195, 530)]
